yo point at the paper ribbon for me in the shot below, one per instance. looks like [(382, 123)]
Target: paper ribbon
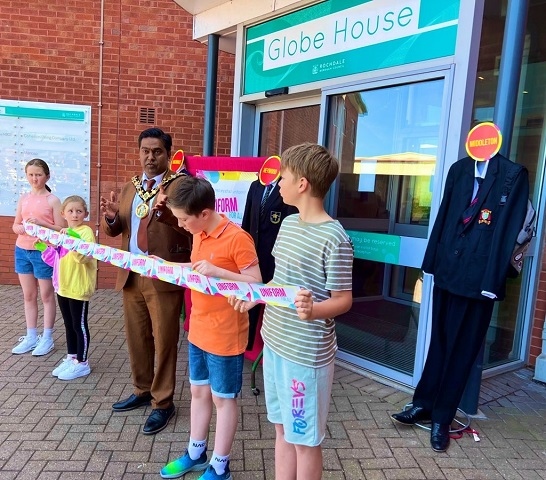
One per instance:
[(281, 295)]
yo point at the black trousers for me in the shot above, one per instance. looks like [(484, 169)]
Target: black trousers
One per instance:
[(74, 314), (459, 326), (253, 320)]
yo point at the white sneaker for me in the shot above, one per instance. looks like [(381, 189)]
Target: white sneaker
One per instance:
[(44, 346), (74, 370), (26, 344), (63, 366)]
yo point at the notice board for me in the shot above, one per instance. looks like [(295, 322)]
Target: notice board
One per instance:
[(58, 133)]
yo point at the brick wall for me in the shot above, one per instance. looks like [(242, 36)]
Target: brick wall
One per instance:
[(528, 147), (535, 348), (51, 53)]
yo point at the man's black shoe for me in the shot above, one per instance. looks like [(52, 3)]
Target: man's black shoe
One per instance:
[(134, 401), (439, 437), (158, 420), (411, 416)]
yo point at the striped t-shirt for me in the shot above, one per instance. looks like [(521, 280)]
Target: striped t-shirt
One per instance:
[(319, 258)]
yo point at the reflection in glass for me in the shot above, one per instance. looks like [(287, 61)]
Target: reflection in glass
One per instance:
[(416, 197), (386, 140), (528, 147), (281, 129)]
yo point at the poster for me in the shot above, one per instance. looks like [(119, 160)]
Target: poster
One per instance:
[(231, 189), (58, 133), (230, 177)]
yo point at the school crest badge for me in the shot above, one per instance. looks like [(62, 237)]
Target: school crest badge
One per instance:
[(275, 217), (485, 216)]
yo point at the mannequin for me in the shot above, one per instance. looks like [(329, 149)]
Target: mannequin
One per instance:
[(264, 229), (469, 254)]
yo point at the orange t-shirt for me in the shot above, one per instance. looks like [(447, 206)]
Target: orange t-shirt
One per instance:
[(215, 326)]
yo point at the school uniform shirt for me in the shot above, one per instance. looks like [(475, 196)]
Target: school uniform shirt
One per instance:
[(469, 258)]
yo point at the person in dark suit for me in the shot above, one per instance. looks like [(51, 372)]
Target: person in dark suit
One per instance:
[(263, 225), (469, 254), (151, 308)]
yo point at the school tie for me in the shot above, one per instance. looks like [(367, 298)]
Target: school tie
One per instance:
[(142, 233), (470, 211), (268, 189)]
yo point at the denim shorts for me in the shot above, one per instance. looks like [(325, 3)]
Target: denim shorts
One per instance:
[(30, 261), (223, 374), (298, 398)]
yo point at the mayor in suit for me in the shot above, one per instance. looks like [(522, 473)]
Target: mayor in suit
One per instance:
[(468, 253), (151, 308), (263, 225)]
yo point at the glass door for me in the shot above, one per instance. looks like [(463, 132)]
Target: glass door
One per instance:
[(389, 142)]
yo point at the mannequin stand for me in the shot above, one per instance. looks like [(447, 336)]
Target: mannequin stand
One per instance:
[(463, 421)]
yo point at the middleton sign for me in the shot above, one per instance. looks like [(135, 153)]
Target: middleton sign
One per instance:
[(342, 37)]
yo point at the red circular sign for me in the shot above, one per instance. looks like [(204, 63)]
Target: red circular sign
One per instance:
[(483, 141), (271, 170), (177, 161)]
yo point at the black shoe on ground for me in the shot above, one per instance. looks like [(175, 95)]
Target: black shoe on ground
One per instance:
[(411, 416), (158, 420), (439, 437), (134, 401)]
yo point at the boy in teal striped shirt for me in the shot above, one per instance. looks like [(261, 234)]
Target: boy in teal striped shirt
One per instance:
[(312, 250)]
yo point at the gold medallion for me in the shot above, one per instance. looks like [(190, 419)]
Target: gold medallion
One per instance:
[(142, 210)]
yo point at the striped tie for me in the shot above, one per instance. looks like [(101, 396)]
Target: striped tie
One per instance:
[(268, 189), (470, 211)]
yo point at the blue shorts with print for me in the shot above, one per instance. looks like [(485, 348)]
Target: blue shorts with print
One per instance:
[(297, 397), (223, 374), (30, 261)]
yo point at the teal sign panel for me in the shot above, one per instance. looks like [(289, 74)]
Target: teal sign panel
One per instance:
[(343, 37), (43, 113), (378, 247)]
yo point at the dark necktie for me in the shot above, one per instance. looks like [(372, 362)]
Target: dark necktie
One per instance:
[(268, 189), (470, 211), (142, 233)]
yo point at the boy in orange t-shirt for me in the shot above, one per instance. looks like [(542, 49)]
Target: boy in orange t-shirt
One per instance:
[(218, 335)]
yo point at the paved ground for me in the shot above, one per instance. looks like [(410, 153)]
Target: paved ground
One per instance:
[(50, 429)]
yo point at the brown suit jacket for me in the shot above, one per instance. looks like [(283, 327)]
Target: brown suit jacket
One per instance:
[(165, 239)]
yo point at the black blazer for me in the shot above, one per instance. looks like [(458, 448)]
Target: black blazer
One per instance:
[(468, 259), (264, 230)]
